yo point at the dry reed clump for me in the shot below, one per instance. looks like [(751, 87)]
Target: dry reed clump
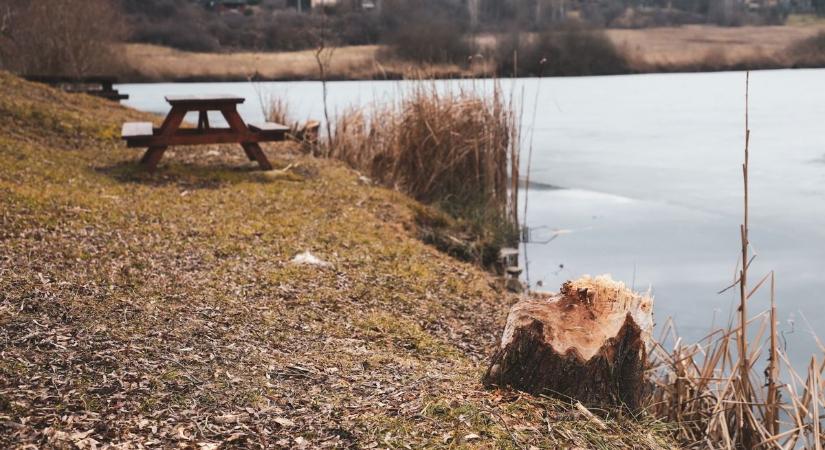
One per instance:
[(456, 150), (699, 388), (277, 109)]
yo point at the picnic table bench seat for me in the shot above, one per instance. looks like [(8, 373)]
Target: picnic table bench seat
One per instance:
[(269, 129), (137, 133), (132, 130)]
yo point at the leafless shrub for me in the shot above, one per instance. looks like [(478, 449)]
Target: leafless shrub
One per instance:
[(571, 49), (809, 52), (432, 31), (61, 37)]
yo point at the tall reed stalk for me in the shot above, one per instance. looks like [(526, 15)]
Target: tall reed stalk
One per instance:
[(744, 365)]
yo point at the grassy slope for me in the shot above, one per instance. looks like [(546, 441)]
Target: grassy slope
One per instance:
[(162, 309)]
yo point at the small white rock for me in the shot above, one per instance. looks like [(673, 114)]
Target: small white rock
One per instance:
[(308, 259), (284, 422)]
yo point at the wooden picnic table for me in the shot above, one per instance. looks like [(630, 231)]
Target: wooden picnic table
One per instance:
[(142, 134)]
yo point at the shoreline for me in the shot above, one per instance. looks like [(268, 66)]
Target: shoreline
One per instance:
[(401, 77)]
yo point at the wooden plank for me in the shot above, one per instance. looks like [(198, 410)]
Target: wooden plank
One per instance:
[(170, 125), (269, 131), (203, 120), (152, 157), (216, 101), (192, 136), (252, 149), (109, 95), (267, 126), (132, 130)]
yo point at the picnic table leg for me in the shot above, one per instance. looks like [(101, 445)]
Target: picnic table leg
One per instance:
[(152, 157), (169, 127), (249, 154), (203, 120), (252, 149)]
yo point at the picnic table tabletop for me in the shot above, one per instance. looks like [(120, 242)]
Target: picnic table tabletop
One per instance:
[(207, 100)]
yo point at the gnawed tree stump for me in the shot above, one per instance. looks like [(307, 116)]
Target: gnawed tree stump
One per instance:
[(588, 342)]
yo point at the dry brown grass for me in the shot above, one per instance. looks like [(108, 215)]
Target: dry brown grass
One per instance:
[(699, 388), (151, 62), (698, 47), (278, 111), (156, 62)]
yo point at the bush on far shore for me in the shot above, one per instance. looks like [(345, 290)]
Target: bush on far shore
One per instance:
[(570, 49), (809, 52), (433, 31)]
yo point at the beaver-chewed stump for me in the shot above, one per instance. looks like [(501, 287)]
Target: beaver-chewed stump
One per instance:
[(588, 343)]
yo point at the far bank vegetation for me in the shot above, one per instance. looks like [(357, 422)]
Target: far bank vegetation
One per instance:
[(396, 38)]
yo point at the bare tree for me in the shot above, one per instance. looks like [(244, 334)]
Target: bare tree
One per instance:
[(60, 37), (6, 14), (6, 38), (323, 57)]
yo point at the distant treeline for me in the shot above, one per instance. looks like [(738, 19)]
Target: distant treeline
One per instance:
[(271, 25), (524, 37)]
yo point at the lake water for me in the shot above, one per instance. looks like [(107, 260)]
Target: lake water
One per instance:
[(640, 176)]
